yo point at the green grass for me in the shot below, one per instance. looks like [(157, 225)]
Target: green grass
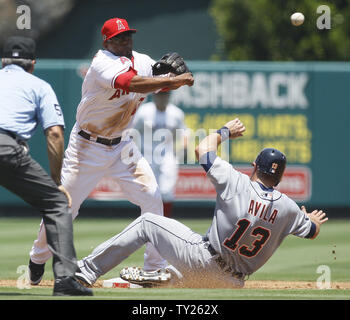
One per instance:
[(179, 294), (296, 260)]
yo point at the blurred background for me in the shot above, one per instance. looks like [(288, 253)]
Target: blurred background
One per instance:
[(289, 85)]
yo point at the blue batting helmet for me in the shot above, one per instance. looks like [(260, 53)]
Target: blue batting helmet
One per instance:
[(272, 162)]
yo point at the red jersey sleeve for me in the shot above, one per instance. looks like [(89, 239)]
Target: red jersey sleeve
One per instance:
[(123, 80)]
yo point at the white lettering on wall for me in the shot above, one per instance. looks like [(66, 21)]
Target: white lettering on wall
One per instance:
[(235, 90)]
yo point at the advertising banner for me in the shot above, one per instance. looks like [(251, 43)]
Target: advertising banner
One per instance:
[(276, 106), (302, 109)]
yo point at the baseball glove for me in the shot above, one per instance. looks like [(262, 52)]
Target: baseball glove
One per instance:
[(170, 62)]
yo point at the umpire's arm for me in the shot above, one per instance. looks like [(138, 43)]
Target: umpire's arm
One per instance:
[(55, 150)]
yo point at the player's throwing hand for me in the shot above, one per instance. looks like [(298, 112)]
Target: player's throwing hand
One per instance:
[(236, 128), (182, 79)]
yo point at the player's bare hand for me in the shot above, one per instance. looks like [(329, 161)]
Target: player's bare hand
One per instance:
[(181, 80), (236, 128), (69, 198), (318, 217)]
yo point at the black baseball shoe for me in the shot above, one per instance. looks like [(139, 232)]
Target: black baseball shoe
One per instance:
[(36, 272), (69, 286)]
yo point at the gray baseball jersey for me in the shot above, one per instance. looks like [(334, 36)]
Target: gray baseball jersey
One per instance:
[(250, 221)]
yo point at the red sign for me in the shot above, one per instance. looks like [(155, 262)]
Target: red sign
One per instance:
[(296, 183), (193, 184)]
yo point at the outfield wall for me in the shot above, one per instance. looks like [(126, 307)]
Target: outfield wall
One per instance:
[(302, 109)]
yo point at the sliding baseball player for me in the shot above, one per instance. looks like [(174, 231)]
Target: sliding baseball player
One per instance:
[(251, 220)]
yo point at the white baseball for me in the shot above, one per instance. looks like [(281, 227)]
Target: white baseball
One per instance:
[(297, 18)]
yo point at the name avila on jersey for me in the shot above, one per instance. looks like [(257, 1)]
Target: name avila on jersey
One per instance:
[(261, 211)]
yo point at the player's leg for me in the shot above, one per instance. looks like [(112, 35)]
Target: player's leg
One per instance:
[(168, 208), (136, 179), (182, 247), (164, 183), (167, 177)]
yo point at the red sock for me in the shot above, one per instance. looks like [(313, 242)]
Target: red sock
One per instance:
[(168, 206)]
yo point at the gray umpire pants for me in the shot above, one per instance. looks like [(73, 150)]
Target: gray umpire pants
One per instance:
[(22, 175)]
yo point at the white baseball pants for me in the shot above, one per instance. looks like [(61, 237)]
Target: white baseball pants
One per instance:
[(85, 164), (166, 174)]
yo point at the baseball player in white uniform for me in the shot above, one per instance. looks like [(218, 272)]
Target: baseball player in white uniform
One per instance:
[(165, 122), (250, 221), (116, 83)]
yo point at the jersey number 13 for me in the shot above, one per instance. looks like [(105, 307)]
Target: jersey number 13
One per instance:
[(260, 233)]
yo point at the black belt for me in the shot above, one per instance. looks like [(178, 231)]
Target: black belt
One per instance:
[(14, 136), (223, 265), (9, 133), (106, 142), (21, 142)]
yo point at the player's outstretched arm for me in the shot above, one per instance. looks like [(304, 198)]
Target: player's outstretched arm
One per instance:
[(318, 217), (150, 84), (234, 128)]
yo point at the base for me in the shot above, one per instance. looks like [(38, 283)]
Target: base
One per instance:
[(119, 283)]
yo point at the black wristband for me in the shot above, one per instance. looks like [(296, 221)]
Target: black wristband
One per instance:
[(312, 231), (224, 132)]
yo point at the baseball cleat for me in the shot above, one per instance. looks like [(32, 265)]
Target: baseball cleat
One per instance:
[(145, 278), (36, 272), (82, 278), (68, 286)]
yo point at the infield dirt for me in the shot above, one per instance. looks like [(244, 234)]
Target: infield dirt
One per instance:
[(266, 284)]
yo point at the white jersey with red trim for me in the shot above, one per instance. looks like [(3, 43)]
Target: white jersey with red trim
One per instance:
[(106, 111)]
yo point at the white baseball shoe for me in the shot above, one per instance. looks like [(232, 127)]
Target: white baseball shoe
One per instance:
[(145, 278), (83, 279), (81, 275)]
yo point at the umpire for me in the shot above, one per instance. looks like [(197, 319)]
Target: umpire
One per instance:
[(25, 102)]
